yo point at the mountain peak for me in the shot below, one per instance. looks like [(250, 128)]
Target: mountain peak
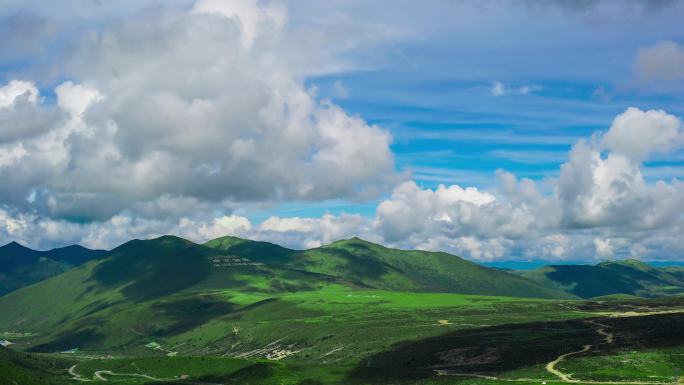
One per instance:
[(633, 263), (14, 245), (225, 242), (169, 241), (351, 242), (69, 248)]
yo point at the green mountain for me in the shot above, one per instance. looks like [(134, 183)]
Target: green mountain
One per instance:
[(631, 277), (185, 287), (374, 266), (21, 266)]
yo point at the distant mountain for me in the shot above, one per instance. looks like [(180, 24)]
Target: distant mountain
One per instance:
[(21, 266), (630, 277)]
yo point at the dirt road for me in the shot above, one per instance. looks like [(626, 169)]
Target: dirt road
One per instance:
[(551, 366), (608, 338)]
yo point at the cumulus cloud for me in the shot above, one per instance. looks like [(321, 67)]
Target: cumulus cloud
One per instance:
[(600, 191), (637, 134), (596, 189), (201, 106), (604, 248), (250, 16), (17, 90), (21, 115)]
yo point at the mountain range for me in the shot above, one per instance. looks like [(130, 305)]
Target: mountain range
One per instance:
[(627, 277), (364, 264), (21, 266), (174, 290)]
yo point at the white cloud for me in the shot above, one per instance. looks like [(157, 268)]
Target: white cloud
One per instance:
[(555, 246), (604, 248), (341, 91), (227, 224), (22, 114), (637, 134), (609, 190), (18, 89), (500, 89), (204, 106), (250, 16), (599, 195), (471, 247), (76, 98), (412, 215), (11, 154), (312, 232), (663, 61)]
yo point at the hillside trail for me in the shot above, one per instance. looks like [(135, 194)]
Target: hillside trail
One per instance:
[(615, 314), (601, 329), (99, 375), (551, 366), (609, 338), (76, 376)]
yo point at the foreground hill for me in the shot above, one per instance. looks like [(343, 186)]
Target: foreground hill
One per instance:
[(22, 368), (21, 266), (629, 277)]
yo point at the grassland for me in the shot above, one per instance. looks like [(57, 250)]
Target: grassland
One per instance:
[(339, 335)]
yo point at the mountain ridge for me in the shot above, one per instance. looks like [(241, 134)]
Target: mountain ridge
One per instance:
[(627, 277), (22, 266)]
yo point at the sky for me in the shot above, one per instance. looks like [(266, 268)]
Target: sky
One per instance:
[(494, 130)]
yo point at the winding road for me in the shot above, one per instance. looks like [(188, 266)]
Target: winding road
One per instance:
[(608, 338), (76, 376), (551, 366), (100, 375)]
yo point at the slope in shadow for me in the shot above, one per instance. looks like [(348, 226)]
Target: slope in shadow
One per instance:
[(154, 268), (497, 349), (189, 313)]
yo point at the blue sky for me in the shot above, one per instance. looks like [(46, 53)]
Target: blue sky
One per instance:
[(301, 122), (436, 96), (434, 92)]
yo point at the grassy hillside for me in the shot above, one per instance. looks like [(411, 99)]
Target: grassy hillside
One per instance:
[(343, 336), (21, 266), (630, 277), (170, 289), (22, 368), (373, 266)]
